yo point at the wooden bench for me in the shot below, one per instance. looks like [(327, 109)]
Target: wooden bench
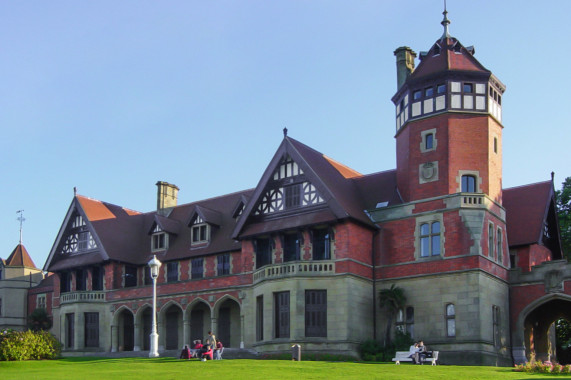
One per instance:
[(403, 356)]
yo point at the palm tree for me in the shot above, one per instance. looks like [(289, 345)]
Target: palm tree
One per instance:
[(391, 300)]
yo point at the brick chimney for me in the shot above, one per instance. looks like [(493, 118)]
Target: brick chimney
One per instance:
[(167, 195), (405, 64)]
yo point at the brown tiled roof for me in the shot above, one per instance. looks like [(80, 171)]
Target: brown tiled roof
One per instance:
[(20, 258), (526, 211), (453, 56)]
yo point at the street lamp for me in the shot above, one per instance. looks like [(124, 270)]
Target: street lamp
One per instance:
[(154, 264)]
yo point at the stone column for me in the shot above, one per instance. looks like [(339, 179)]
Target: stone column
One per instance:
[(162, 333), (137, 338), (79, 337), (241, 331), (186, 330), (114, 338)]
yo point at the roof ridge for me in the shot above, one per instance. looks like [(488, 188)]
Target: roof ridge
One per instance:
[(527, 185)]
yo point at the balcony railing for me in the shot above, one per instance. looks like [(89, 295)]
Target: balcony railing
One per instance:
[(97, 296), (473, 200), (294, 269)]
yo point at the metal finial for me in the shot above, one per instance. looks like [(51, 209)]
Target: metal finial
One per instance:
[(21, 219), (552, 176), (445, 22), (74, 191), (285, 132)]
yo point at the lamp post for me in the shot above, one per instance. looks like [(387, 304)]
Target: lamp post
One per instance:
[(154, 264)]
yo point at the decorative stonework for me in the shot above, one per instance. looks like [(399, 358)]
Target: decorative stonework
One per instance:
[(554, 282), (428, 172)]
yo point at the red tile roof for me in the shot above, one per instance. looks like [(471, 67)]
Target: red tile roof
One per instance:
[(20, 258), (526, 212)]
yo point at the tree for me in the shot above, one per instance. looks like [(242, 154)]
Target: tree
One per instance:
[(391, 299), (563, 199), (39, 320)]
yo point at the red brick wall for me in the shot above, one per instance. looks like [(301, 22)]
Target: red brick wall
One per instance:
[(531, 255)]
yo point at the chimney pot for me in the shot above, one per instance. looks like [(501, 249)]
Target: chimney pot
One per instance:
[(167, 195), (405, 64)]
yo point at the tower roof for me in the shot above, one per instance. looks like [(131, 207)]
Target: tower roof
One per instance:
[(20, 258)]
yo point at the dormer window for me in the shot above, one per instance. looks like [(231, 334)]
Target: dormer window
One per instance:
[(200, 231), (159, 239)]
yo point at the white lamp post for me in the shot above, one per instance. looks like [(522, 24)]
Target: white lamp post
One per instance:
[(154, 264)]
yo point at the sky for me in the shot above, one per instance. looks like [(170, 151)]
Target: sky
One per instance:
[(112, 96)]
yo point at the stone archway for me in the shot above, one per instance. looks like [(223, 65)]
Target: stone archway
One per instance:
[(228, 322), (143, 326), (199, 317), (536, 327), (172, 326), (124, 322)]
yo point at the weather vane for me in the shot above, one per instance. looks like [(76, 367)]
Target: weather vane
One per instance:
[(21, 219)]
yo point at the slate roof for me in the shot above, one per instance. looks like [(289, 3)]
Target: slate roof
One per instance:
[(526, 212)]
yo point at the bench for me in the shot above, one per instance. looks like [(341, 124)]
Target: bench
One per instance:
[(402, 356)]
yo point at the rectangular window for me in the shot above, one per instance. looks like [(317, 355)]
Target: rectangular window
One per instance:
[(499, 252), (441, 88), (91, 329), (197, 268), (130, 276), (430, 239), (429, 141), (97, 278), (450, 320), (292, 196), (321, 244), (65, 282), (428, 91), (80, 279), (316, 313), (159, 241), (490, 240), (200, 233), (410, 320), (468, 88), (291, 247), (148, 278), (416, 95), (281, 314), (263, 252), (496, 325), (223, 266), (41, 301), (70, 330), (172, 271), (260, 318)]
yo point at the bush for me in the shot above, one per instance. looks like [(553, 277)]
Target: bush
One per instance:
[(371, 350), (28, 345), (534, 366)]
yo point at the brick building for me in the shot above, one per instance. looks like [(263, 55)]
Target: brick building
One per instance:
[(301, 257)]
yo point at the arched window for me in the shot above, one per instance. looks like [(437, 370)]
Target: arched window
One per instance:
[(450, 320), (468, 184)]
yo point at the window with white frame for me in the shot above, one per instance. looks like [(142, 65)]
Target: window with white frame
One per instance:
[(159, 239), (41, 301), (450, 320), (200, 231)]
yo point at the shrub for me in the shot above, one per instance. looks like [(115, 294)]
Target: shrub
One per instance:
[(536, 366), (28, 345)]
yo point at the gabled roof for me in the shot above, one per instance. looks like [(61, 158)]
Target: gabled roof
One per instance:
[(527, 210), (123, 235), (209, 216), (19, 258), (342, 188)]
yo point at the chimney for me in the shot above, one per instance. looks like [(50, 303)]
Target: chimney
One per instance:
[(405, 64), (167, 195)]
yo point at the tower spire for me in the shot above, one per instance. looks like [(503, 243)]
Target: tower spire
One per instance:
[(21, 219), (445, 22)]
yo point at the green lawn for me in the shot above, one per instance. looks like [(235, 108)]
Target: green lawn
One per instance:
[(169, 368)]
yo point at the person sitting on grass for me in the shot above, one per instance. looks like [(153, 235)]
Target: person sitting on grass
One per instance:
[(218, 351), (206, 353), (185, 354)]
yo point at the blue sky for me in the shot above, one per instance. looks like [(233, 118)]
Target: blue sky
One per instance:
[(112, 96)]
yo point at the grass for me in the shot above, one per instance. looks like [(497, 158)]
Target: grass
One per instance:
[(169, 368)]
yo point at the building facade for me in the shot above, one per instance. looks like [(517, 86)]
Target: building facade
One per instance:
[(301, 257)]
